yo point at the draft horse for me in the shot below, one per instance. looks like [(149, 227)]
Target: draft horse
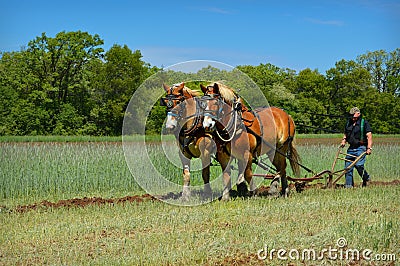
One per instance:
[(247, 134), (184, 119)]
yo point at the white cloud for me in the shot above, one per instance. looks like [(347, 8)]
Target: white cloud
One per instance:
[(213, 9), (217, 10), (325, 22)]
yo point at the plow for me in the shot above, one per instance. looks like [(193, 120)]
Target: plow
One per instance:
[(331, 176)]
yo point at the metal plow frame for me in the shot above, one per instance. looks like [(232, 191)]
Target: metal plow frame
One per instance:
[(329, 175)]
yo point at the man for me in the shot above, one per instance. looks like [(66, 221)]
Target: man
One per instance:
[(358, 134)]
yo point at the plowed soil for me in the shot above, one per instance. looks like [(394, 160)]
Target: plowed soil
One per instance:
[(84, 202)]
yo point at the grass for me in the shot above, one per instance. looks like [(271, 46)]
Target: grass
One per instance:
[(54, 171), (156, 233), (219, 233), (149, 138), (381, 164), (340, 135), (59, 139), (32, 172), (62, 139)]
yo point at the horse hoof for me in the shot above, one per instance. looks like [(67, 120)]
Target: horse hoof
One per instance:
[(225, 197), (242, 190), (285, 194), (185, 197), (273, 189), (254, 193)]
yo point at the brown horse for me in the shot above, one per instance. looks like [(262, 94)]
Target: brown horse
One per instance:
[(184, 119), (247, 134)]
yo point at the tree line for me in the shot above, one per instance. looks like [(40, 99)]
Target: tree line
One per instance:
[(69, 85)]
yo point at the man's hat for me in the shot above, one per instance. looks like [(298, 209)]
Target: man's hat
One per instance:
[(354, 110)]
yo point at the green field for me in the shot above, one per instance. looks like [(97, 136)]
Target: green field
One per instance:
[(155, 233)]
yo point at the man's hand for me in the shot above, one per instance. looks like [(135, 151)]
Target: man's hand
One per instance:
[(343, 143), (368, 151)]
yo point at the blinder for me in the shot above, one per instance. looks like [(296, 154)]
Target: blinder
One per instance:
[(168, 100), (162, 101), (204, 101)]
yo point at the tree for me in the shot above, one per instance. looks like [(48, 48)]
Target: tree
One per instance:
[(350, 84), (59, 65), (355, 84), (275, 83), (384, 68), (49, 77), (23, 110), (113, 86)]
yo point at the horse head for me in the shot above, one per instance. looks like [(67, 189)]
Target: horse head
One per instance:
[(173, 98), (181, 105), (221, 107)]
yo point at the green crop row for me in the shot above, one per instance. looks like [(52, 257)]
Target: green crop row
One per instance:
[(35, 171), (52, 171)]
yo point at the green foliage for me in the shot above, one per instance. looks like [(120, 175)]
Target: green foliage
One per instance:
[(114, 84), (68, 120), (68, 85), (384, 68)]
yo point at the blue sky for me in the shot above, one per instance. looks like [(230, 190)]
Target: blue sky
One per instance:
[(288, 34)]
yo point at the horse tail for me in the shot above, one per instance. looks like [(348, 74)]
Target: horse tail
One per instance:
[(294, 159), (294, 156)]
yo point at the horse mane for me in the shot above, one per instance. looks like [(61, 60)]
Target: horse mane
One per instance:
[(226, 93), (194, 93)]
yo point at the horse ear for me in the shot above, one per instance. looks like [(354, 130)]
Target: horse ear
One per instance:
[(180, 87), (166, 88), (203, 88), (216, 88)]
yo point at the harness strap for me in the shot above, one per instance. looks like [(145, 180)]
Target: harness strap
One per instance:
[(197, 119), (289, 139), (257, 116), (232, 129), (232, 123), (277, 150), (362, 130), (173, 114)]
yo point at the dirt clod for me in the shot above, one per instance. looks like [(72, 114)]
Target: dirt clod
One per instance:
[(84, 202)]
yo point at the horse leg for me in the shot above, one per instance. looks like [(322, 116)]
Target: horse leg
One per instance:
[(206, 147), (280, 163), (206, 179), (245, 173), (284, 184), (224, 161), (248, 175), (186, 177), (241, 184)]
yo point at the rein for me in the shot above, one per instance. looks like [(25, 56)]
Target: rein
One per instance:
[(187, 135), (278, 150), (229, 126), (197, 122), (232, 124), (197, 116)]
